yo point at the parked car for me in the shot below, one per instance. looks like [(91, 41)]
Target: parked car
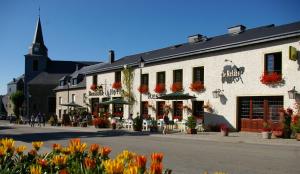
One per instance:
[(11, 118), (3, 117), (24, 120)]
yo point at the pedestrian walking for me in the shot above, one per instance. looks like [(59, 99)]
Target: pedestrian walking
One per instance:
[(32, 120), (166, 123), (44, 119), (39, 118)]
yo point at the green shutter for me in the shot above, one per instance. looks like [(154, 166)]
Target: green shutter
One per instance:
[(293, 53)]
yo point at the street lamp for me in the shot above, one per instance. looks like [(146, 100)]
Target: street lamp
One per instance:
[(217, 93), (68, 87), (141, 65), (292, 93)]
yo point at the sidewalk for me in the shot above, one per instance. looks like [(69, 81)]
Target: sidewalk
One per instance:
[(234, 137)]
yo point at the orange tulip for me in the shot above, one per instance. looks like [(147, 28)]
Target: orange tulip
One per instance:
[(157, 157), (56, 147), (141, 161), (156, 168), (94, 148), (42, 162), (63, 171), (89, 163), (20, 150), (105, 151)]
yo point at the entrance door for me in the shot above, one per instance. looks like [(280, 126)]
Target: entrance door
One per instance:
[(253, 111), (95, 106)]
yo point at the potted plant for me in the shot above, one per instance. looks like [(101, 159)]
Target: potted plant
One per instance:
[(160, 88), (277, 132), (296, 126), (266, 131), (197, 86), (191, 124), (153, 126), (137, 123), (224, 129)]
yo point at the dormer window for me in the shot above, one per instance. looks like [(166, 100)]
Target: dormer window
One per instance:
[(74, 81), (61, 83)]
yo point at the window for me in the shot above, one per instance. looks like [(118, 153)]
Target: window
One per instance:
[(118, 76), (273, 62), (95, 80), (35, 65), (177, 112), (60, 100), (73, 97), (160, 109), (145, 109), (59, 114), (198, 74), (61, 83), (198, 108), (161, 78), (177, 76), (74, 81), (145, 79)]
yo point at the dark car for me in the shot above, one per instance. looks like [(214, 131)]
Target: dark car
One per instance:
[(11, 118), (3, 117)]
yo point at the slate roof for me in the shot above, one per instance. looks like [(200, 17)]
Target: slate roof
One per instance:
[(226, 41), (82, 71), (45, 78), (17, 79)]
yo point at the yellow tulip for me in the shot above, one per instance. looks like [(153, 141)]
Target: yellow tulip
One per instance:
[(3, 151), (35, 169), (113, 166), (8, 143), (37, 145), (59, 160), (20, 149)]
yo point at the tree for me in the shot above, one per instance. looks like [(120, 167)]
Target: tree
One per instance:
[(17, 99), (127, 93)]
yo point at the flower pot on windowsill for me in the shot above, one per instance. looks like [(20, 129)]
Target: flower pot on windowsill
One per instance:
[(266, 134)]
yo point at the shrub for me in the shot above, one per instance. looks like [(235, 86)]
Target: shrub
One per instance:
[(138, 123), (191, 122)]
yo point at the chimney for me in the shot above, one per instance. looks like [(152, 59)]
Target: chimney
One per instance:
[(111, 56), (196, 38), (236, 29), (77, 67), (14, 80)]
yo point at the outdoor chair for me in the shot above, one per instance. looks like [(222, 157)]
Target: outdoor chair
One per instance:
[(146, 124), (160, 124), (129, 124)]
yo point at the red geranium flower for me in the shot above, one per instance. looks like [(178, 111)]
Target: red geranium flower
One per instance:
[(160, 88), (270, 78), (117, 85)]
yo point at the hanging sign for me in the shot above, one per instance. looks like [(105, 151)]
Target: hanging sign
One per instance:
[(293, 54), (100, 92), (232, 74)]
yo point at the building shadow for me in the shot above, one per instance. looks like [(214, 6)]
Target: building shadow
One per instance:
[(213, 121), (47, 136)]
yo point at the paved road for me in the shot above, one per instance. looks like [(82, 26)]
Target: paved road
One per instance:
[(184, 156)]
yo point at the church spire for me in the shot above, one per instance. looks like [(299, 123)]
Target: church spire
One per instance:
[(38, 47)]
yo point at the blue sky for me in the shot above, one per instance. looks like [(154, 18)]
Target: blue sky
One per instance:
[(87, 29)]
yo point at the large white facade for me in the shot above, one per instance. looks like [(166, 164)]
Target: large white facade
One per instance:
[(251, 58)]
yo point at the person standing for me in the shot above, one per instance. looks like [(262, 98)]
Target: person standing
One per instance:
[(44, 119), (166, 123), (39, 118)]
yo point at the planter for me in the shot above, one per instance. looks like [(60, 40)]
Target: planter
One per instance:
[(266, 135), (287, 133), (298, 136), (114, 126), (191, 131), (278, 134), (153, 129), (224, 133)]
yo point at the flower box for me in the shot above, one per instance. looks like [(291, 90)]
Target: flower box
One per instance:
[(117, 85), (143, 89), (176, 87), (93, 87), (160, 88), (271, 78), (197, 86)]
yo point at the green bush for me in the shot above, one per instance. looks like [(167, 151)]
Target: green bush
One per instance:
[(138, 123), (191, 122)]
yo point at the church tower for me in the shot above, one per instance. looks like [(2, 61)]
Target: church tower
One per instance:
[(38, 47)]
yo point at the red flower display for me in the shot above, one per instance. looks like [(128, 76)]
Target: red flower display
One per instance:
[(179, 117), (270, 78), (93, 87), (160, 88), (177, 86), (197, 86), (118, 114), (117, 85), (160, 117), (143, 89)]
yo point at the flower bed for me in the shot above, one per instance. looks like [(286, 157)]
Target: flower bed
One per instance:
[(74, 158)]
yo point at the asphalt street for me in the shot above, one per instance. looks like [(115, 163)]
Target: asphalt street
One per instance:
[(183, 156)]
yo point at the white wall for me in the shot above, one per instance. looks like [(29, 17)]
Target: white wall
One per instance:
[(252, 58)]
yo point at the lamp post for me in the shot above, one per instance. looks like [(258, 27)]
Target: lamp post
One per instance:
[(216, 93), (141, 65), (68, 87)]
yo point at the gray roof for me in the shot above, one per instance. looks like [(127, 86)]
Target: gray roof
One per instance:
[(248, 37), (82, 71), (16, 80), (45, 78)]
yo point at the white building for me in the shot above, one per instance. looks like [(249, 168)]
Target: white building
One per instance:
[(230, 66)]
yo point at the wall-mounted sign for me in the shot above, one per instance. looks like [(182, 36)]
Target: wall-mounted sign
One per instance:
[(232, 74), (100, 92), (153, 96), (293, 54)]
